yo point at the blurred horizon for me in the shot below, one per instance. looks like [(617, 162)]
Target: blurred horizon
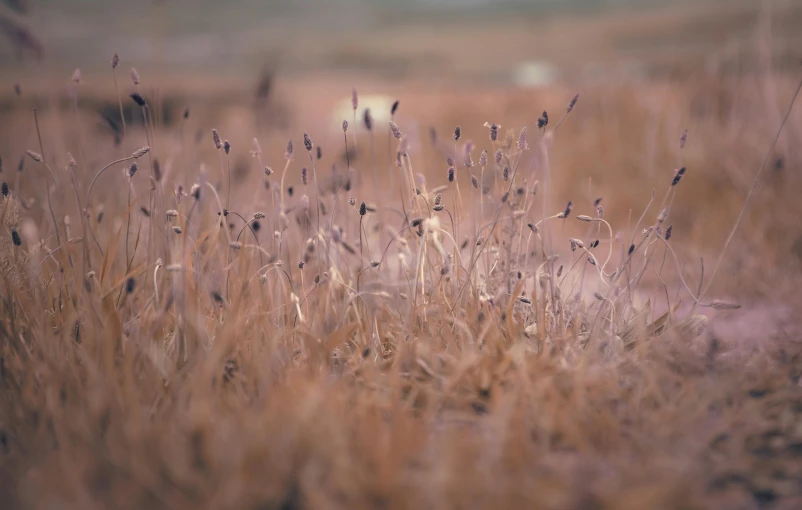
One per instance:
[(504, 42)]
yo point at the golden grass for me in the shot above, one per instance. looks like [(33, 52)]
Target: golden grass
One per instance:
[(161, 351)]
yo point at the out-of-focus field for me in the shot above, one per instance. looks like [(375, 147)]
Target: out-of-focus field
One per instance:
[(722, 70), (201, 366)]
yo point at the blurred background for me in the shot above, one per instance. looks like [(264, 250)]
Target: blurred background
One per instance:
[(523, 42), (271, 50), (272, 69)]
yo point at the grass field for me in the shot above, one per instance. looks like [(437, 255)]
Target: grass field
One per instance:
[(218, 294)]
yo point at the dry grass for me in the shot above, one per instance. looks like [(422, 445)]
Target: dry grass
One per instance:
[(381, 337)]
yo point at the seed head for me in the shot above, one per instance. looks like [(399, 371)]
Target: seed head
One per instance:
[(367, 119), (138, 99), (177, 229), (543, 121), (354, 99), (394, 128), (678, 176), (522, 145), (474, 181), (506, 173), (129, 285), (307, 142), (567, 211), (631, 249), (132, 169), (668, 232), (663, 216), (499, 156), (288, 150), (572, 104), (345, 126), (115, 61), (683, 138), (218, 144), (451, 174), (468, 161), (268, 171), (394, 108), (171, 213), (493, 131), (304, 176), (319, 154), (363, 210), (226, 146), (457, 133), (4, 189), (483, 159), (134, 76), (583, 217), (140, 152), (15, 238), (194, 191), (34, 155)]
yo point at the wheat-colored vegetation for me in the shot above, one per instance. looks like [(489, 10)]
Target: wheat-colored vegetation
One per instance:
[(396, 318)]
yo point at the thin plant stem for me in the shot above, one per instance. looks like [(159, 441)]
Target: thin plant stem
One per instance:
[(751, 192)]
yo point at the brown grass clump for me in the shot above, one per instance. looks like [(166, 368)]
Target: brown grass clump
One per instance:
[(183, 338)]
